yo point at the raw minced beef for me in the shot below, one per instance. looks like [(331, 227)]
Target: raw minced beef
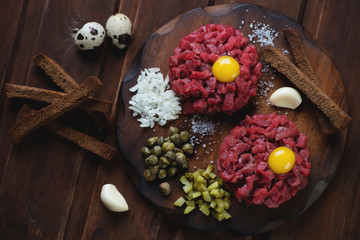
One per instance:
[(244, 153), (191, 70)]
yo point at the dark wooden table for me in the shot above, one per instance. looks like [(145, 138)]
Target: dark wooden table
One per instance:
[(50, 187)]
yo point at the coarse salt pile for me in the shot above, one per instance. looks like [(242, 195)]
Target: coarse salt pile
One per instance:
[(154, 101), (262, 33), (202, 125)]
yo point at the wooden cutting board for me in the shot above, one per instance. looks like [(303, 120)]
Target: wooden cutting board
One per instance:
[(326, 151)]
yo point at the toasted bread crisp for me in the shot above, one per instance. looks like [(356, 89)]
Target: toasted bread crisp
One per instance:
[(81, 139), (49, 96), (302, 62), (64, 104), (337, 116), (52, 69)]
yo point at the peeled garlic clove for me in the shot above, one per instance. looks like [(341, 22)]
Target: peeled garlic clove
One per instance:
[(286, 97), (112, 199)]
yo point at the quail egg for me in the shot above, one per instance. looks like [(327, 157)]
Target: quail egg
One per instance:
[(90, 36), (118, 28)]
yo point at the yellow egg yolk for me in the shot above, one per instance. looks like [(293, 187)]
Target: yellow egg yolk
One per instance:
[(226, 69), (281, 160)]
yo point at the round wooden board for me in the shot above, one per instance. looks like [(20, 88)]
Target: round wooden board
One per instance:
[(326, 151)]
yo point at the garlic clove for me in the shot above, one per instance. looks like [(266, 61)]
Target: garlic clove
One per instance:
[(112, 199), (286, 97)]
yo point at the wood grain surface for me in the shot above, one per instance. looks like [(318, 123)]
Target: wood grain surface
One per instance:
[(50, 188)]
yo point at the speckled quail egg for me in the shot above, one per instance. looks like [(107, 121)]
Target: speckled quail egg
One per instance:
[(118, 28), (90, 36)]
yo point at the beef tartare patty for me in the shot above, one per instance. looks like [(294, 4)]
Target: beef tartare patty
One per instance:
[(243, 161), (191, 70)]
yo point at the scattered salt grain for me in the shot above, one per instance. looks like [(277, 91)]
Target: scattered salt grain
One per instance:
[(154, 101), (284, 51), (264, 87), (202, 125), (262, 33), (194, 140)]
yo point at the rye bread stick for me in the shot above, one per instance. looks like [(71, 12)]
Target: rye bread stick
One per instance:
[(79, 138), (69, 101), (63, 80), (276, 59), (302, 62), (57, 74), (49, 96)]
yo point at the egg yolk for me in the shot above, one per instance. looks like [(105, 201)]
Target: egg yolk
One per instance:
[(226, 69), (281, 160)]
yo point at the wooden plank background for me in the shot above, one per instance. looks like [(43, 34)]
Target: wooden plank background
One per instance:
[(44, 195)]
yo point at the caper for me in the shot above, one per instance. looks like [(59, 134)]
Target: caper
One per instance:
[(173, 130), (148, 176), (160, 141), (188, 149), (164, 162), (145, 151), (156, 150), (152, 159), (162, 174), (175, 138), (152, 141), (185, 165), (147, 162), (154, 169), (165, 188), (176, 150), (184, 136), (172, 171), (180, 158), (168, 146), (170, 155)]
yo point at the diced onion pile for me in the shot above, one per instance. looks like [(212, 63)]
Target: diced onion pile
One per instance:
[(154, 101)]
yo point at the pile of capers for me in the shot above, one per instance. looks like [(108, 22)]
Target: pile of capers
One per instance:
[(165, 156)]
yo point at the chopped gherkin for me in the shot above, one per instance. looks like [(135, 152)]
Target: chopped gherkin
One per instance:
[(205, 191)]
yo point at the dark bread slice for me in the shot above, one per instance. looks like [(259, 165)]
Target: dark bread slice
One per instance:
[(63, 80), (302, 62), (81, 139), (49, 96), (57, 74), (69, 101), (337, 116)]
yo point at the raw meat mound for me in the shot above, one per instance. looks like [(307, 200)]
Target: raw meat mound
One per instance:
[(191, 70), (244, 153)]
